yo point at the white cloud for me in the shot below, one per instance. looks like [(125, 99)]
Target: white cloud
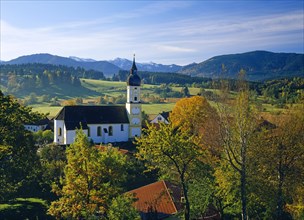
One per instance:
[(183, 40)]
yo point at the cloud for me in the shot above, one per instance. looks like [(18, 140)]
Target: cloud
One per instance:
[(182, 40)]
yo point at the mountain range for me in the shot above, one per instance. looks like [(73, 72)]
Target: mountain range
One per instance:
[(259, 65)]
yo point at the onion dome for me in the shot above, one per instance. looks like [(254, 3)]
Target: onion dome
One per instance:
[(133, 78)]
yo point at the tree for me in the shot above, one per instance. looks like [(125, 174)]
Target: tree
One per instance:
[(18, 159), (92, 178), (280, 164), (53, 161), (122, 208), (196, 115), (185, 92), (176, 153), (191, 113), (238, 129)]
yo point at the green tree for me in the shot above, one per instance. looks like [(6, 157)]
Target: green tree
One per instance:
[(185, 92), (53, 161), (18, 159), (176, 153), (238, 130), (92, 178), (122, 208)]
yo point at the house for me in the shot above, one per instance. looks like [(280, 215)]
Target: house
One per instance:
[(103, 124), (161, 117), (163, 200), (38, 126), (159, 200)]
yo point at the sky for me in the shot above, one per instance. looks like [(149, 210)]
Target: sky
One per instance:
[(166, 32)]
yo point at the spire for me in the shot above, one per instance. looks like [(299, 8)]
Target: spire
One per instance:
[(133, 66), (133, 79)]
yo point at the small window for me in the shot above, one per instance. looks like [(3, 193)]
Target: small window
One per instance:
[(89, 132), (110, 131), (135, 88), (98, 131), (121, 127), (59, 131), (159, 118), (135, 98)]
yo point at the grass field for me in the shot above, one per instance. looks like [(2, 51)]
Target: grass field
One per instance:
[(92, 89), (24, 208), (148, 108)]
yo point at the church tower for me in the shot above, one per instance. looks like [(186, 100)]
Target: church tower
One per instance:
[(133, 104)]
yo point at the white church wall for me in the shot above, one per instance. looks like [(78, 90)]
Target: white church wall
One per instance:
[(59, 124), (118, 135), (70, 136)]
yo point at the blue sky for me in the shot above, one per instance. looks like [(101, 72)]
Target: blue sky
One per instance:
[(179, 32)]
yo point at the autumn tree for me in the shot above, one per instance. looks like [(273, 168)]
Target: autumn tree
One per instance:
[(92, 179), (19, 163), (196, 115), (176, 153), (237, 129), (279, 162)]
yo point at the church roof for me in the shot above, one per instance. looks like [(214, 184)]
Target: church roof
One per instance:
[(73, 116), (133, 78)]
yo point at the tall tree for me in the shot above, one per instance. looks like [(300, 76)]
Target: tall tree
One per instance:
[(280, 162), (92, 178), (238, 129), (18, 154), (176, 153)]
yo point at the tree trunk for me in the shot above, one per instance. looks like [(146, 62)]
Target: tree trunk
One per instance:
[(187, 204), (243, 193), (279, 211), (243, 181)]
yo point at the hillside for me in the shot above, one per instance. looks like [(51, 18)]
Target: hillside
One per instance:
[(103, 66), (259, 66), (109, 68)]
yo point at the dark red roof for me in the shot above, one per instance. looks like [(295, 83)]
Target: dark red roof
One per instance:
[(157, 197)]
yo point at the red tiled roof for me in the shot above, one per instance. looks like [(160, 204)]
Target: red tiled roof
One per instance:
[(155, 196)]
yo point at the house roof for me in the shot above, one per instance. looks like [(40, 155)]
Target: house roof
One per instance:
[(165, 115), (73, 116), (161, 196)]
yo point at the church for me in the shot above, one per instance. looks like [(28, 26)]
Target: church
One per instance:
[(103, 124)]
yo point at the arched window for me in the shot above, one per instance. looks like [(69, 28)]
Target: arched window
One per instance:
[(110, 131), (99, 131), (59, 131)]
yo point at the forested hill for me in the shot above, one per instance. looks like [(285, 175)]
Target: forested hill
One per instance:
[(259, 65), (23, 79), (102, 66)]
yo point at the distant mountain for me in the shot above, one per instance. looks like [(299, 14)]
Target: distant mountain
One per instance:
[(82, 59), (125, 64), (259, 65), (107, 68)]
